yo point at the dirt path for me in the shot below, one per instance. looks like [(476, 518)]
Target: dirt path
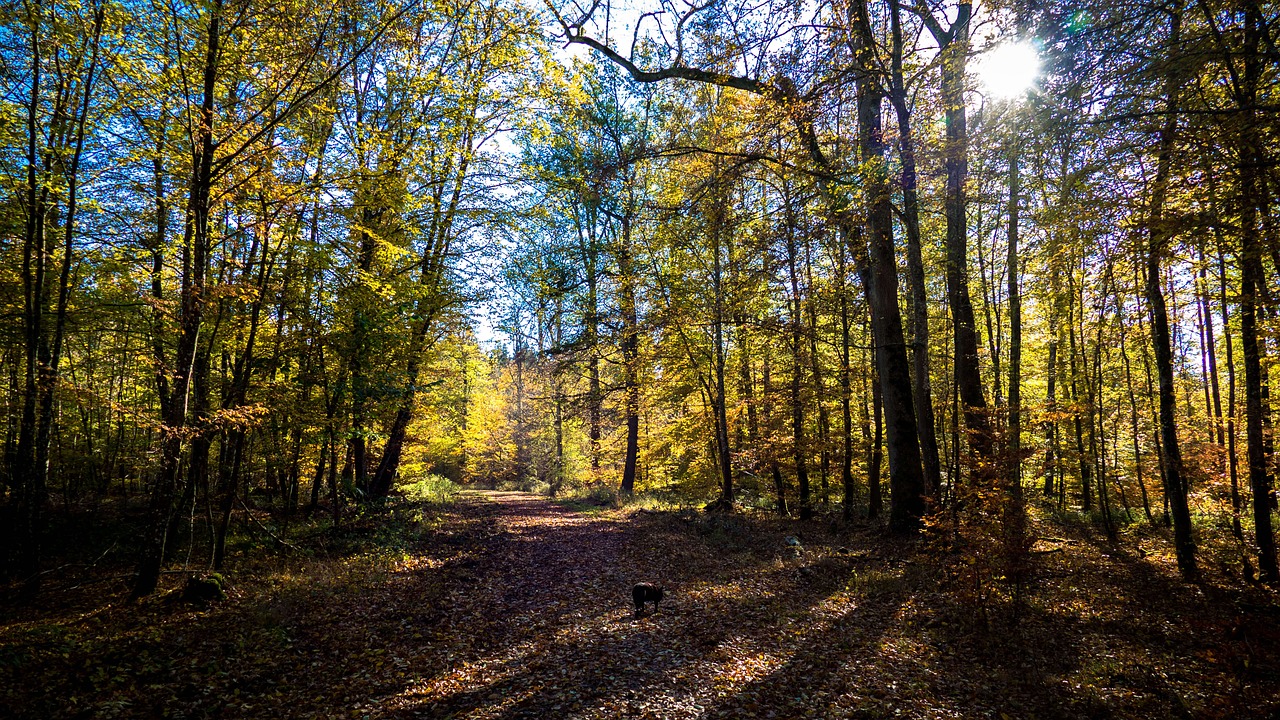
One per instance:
[(521, 624), (506, 605), (541, 624), (537, 623)]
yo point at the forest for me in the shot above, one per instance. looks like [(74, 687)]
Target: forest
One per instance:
[(422, 286)]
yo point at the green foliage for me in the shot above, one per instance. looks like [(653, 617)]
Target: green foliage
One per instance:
[(429, 488)]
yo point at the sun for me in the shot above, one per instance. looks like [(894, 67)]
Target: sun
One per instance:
[(1008, 70)]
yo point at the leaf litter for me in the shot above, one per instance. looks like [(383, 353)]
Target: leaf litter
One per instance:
[(510, 606)]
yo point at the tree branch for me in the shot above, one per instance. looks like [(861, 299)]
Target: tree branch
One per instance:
[(676, 72)]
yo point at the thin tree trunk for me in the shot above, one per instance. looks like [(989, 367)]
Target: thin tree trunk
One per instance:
[(1086, 491), (846, 391), (766, 379), (1014, 442), (630, 359), (797, 404), (33, 488), (723, 457), (820, 390), (1133, 420), (875, 455), (1233, 469)]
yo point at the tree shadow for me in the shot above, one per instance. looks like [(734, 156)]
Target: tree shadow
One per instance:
[(620, 665)]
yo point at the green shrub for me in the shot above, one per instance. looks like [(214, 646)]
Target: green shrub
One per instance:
[(431, 488)]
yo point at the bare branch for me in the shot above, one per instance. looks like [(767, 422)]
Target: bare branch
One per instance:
[(678, 72)]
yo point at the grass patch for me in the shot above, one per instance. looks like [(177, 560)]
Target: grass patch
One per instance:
[(601, 498)]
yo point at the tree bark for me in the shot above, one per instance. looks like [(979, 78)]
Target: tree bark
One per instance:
[(875, 454), (630, 358), (954, 44), (1014, 440), (846, 393), (799, 448)]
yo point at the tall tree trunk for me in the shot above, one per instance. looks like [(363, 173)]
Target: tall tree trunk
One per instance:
[(30, 492), (797, 404), (820, 391), (1254, 284), (922, 392), (880, 282), (389, 465), (766, 380), (846, 393), (1086, 472), (44, 354), (234, 440), (1158, 238), (1233, 469), (557, 400), (431, 271), (718, 359), (595, 396), (194, 266), (630, 358), (874, 454), (1133, 419), (358, 359), (1052, 453), (1015, 519), (1014, 442), (954, 44)]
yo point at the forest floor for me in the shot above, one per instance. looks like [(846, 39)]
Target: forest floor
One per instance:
[(507, 605)]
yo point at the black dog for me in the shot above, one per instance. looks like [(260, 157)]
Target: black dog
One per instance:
[(643, 593)]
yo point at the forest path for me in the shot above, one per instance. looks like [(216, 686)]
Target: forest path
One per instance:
[(541, 624), (539, 621), (502, 605), (518, 626)]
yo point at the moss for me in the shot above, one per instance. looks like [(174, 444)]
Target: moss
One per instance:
[(203, 589)]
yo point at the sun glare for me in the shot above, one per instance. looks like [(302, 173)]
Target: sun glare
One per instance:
[(1008, 70)]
